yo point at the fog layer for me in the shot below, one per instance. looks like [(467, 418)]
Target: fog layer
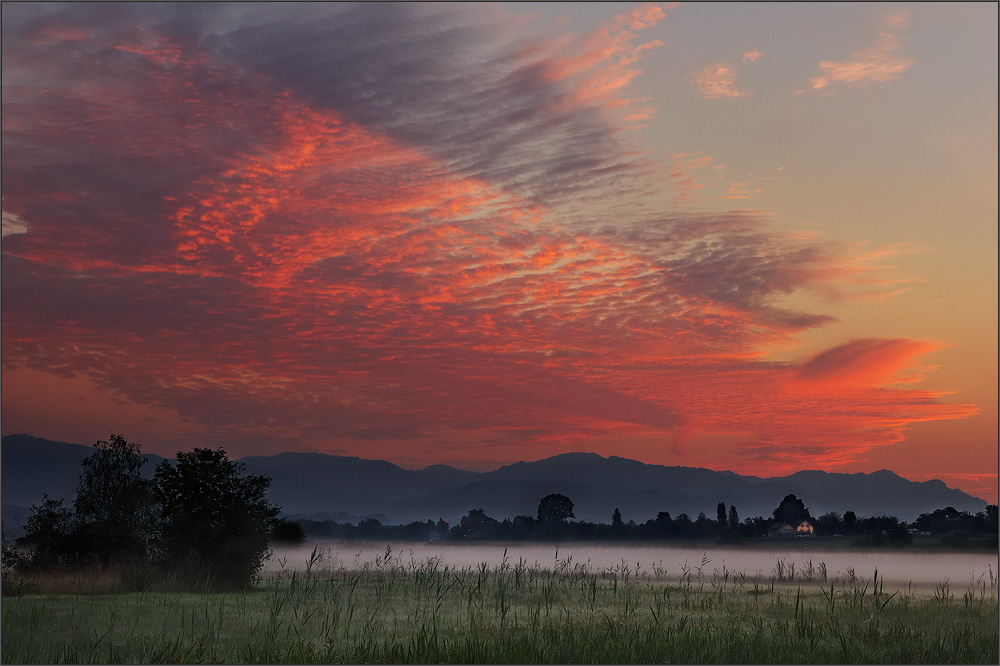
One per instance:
[(798, 562)]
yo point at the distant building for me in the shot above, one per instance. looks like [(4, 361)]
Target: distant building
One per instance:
[(804, 528), (780, 530)]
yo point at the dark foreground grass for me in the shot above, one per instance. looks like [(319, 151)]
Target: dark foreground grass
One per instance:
[(427, 613)]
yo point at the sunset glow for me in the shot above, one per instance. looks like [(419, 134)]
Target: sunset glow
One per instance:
[(481, 234)]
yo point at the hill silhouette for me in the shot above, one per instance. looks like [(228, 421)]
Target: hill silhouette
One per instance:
[(320, 484)]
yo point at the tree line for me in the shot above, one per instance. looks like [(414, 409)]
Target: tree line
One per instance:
[(552, 521)]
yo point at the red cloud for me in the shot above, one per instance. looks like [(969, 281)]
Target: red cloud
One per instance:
[(865, 363)]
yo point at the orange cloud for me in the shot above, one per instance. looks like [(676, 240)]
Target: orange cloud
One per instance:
[(879, 64), (752, 55)]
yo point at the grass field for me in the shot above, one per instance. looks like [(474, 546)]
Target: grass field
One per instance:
[(396, 611)]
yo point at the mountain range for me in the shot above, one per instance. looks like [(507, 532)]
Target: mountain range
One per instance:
[(318, 485)]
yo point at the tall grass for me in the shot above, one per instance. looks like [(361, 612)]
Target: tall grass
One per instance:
[(400, 610)]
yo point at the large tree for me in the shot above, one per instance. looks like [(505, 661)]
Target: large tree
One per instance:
[(555, 508), (214, 520), (113, 505), (792, 510)]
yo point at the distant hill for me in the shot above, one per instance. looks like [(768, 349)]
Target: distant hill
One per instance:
[(316, 483), (31, 466)]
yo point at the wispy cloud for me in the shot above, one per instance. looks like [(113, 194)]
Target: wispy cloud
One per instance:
[(752, 55), (880, 64), (741, 191)]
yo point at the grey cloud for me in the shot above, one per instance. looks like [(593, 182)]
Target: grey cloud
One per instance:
[(432, 76)]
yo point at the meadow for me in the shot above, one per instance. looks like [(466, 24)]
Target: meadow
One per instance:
[(403, 607)]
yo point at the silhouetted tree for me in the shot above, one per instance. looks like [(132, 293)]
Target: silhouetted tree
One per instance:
[(850, 522), (830, 523), (369, 527), (705, 527), (720, 514), (792, 511), (683, 525), (215, 521), (882, 531), (555, 508), (617, 525), (114, 511), (943, 520), (524, 526), (477, 525), (734, 518), (992, 522), (50, 530), (664, 524), (616, 519)]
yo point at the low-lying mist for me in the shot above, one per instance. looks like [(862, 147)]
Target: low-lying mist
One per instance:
[(795, 562)]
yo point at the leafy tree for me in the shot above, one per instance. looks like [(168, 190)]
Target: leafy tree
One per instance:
[(555, 508), (992, 522), (617, 525), (850, 522), (616, 519), (683, 525), (214, 521), (442, 528), (704, 526), (113, 501), (720, 514), (369, 527), (943, 520), (792, 511), (50, 530), (756, 526), (734, 518), (523, 526), (477, 525), (830, 523)]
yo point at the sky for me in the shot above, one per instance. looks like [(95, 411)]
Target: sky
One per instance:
[(758, 237)]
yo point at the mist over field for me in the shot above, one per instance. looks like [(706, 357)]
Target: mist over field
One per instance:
[(958, 569)]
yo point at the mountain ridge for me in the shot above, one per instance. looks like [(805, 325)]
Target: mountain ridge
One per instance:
[(310, 483)]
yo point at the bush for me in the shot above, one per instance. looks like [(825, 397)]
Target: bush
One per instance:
[(14, 563), (215, 522), (956, 539)]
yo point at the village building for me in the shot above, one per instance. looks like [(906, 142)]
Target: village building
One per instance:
[(804, 528)]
